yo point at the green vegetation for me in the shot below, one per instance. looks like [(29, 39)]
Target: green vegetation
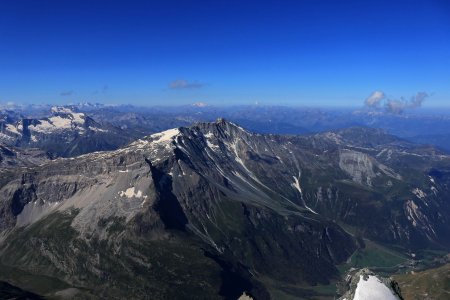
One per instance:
[(40, 284), (429, 284), (174, 268), (284, 291), (375, 256)]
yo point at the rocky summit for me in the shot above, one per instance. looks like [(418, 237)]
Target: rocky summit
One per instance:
[(213, 211)]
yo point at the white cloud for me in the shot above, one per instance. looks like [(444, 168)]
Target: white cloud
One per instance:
[(375, 99)]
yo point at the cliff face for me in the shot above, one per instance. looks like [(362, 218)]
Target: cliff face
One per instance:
[(213, 208)]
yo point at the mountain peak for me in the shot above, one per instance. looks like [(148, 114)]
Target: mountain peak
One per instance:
[(221, 126), (61, 109), (199, 104)]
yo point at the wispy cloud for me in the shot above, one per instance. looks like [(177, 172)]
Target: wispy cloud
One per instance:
[(418, 99), (375, 99), (396, 106), (66, 93), (184, 84)]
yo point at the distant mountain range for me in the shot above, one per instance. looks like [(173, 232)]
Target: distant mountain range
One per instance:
[(65, 132), (423, 126), (213, 210)]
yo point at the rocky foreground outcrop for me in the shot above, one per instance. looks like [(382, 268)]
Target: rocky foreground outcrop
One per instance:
[(364, 284)]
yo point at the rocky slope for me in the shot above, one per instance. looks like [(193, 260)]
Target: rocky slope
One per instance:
[(214, 210), (11, 157)]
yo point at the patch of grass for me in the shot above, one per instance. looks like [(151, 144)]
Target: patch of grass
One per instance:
[(44, 256), (284, 291), (40, 284), (376, 257), (429, 284), (114, 224)]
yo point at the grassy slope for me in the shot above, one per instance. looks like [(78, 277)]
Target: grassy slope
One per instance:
[(429, 284), (155, 264)]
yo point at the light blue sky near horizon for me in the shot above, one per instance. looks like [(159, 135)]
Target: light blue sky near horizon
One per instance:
[(303, 53)]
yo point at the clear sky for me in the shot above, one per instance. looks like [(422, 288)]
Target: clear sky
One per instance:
[(303, 52)]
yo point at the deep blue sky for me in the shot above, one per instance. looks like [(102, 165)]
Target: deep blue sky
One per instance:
[(223, 52)]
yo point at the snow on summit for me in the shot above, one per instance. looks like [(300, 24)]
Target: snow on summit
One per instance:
[(63, 118), (166, 136), (371, 288)]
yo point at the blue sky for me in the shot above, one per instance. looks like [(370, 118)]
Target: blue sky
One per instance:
[(313, 52)]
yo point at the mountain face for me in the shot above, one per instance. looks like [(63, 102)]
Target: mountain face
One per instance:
[(65, 133), (212, 211)]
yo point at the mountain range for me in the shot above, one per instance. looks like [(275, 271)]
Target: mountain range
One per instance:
[(213, 211), (64, 133)]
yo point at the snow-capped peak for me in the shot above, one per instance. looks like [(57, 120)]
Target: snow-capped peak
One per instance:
[(66, 112), (62, 118), (61, 109), (199, 104)]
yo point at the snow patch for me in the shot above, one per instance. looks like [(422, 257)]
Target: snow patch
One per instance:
[(12, 129), (244, 296), (130, 193), (419, 193), (60, 122), (212, 146), (61, 109), (166, 136), (296, 185), (209, 135), (64, 118), (372, 289), (434, 190), (96, 129)]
